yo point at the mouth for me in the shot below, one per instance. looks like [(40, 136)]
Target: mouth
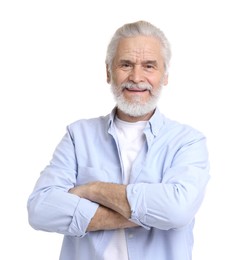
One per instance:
[(135, 90)]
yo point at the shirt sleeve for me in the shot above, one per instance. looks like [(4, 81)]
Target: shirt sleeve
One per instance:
[(50, 207), (174, 201)]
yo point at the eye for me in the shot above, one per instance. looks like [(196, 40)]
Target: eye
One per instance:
[(149, 66), (126, 66)]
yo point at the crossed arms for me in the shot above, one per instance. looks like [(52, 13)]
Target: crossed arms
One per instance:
[(114, 210)]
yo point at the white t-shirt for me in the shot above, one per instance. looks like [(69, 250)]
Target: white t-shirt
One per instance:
[(130, 138)]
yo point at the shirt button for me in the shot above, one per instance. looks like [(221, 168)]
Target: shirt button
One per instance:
[(130, 235)]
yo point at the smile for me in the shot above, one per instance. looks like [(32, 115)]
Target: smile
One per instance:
[(135, 89)]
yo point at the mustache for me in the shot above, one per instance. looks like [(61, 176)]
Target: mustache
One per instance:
[(140, 86)]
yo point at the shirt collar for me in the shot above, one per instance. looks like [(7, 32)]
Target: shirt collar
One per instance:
[(154, 124)]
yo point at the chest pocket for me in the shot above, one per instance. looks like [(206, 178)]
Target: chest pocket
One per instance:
[(91, 174)]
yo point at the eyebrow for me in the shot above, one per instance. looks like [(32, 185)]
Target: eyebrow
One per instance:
[(125, 61), (154, 62)]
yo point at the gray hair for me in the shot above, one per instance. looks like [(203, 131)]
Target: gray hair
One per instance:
[(135, 29)]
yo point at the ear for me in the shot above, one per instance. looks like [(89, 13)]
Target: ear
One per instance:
[(108, 74)]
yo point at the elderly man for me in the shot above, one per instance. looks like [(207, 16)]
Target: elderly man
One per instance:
[(126, 186)]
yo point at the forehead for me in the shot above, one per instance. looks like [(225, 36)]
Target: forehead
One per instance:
[(139, 48)]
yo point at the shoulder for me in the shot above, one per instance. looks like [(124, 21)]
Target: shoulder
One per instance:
[(88, 125), (181, 131), (163, 125)]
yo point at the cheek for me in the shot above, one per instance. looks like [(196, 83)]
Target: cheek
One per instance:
[(156, 81), (120, 77)]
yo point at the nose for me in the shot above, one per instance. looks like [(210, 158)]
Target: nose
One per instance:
[(136, 74)]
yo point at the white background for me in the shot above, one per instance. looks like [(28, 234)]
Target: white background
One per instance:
[(52, 73)]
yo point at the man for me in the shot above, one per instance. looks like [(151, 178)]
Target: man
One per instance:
[(127, 185)]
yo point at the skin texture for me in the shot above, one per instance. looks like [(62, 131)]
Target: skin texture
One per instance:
[(138, 60)]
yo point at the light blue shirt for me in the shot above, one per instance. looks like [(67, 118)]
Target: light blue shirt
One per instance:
[(166, 188)]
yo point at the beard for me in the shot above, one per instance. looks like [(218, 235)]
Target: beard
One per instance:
[(136, 107)]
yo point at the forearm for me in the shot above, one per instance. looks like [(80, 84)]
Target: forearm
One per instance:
[(107, 219), (110, 195)]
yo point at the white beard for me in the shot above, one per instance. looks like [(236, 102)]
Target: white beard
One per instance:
[(135, 108)]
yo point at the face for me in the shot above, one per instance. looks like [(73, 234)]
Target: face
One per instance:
[(138, 73)]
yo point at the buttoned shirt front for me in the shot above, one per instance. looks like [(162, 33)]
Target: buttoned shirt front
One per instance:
[(166, 188)]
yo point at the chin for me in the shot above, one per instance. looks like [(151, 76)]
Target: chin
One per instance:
[(134, 109)]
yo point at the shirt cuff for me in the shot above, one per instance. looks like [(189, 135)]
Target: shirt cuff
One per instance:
[(136, 200), (83, 214)]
